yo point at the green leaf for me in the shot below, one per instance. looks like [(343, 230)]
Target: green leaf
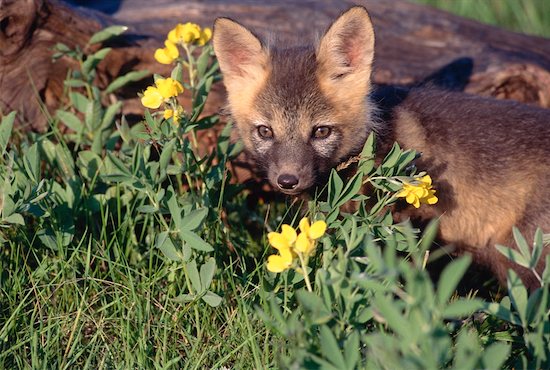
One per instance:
[(74, 83), (15, 218), (352, 187), (352, 350), (6, 127), (538, 246), (124, 130), (79, 101), (93, 60), (106, 34), (427, 238), (185, 298), (202, 62), (521, 243), (116, 166), (450, 277), (366, 161), (513, 255), (126, 79), (207, 273), (177, 72), (174, 208), (462, 308), (70, 120), (212, 299), (517, 294), (193, 274), (92, 116), (391, 158), (335, 186), (32, 163), (166, 157), (89, 164), (533, 305), (195, 241), (393, 317), (502, 312), (546, 272), (467, 351), (146, 208), (495, 355), (330, 349), (193, 219), (164, 243), (109, 116), (314, 306)]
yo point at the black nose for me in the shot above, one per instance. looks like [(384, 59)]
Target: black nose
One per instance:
[(287, 181)]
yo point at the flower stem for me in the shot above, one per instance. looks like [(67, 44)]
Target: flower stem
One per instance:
[(303, 262)]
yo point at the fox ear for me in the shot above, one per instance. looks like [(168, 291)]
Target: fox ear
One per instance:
[(240, 53), (346, 51)]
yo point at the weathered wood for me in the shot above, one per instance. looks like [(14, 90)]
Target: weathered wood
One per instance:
[(413, 41)]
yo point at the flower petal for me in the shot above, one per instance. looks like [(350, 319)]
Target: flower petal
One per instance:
[(303, 244), (427, 180), (168, 87), (317, 229), (402, 193), (276, 263), (173, 34), (162, 56), (168, 113), (304, 225), (206, 35), (278, 241), (289, 233), (431, 198), (151, 98)]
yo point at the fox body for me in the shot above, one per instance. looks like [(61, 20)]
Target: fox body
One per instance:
[(301, 111)]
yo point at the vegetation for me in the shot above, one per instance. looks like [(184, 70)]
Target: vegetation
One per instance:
[(526, 16), (130, 247)]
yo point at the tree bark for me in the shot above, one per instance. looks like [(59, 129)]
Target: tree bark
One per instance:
[(412, 43)]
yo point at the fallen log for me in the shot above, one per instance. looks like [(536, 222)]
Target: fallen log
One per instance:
[(413, 41)]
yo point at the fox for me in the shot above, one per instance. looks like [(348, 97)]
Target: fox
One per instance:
[(303, 110)]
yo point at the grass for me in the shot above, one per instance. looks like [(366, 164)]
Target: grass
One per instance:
[(98, 305), (526, 16)]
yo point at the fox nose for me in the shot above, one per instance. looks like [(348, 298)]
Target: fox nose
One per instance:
[(287, 181)]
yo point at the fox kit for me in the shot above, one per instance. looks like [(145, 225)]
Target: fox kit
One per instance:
[(301, 111)]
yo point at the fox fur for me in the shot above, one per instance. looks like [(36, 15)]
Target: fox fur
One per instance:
[(301, 111)]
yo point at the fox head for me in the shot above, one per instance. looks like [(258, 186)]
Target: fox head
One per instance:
[(300, 111)]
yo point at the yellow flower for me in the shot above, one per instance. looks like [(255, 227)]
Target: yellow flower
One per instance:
[(284, 239), (420, 193), (168, 54), (206, 35), (289, 243), (168, 87), (280, 262), (164, 89), (152, 98), (314, 231), (169, 113), (185, 33), (304, 244)]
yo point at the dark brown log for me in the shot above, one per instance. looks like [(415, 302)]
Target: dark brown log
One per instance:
[(413, 42)]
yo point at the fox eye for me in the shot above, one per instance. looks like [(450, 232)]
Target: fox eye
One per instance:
[(265, 132), (321, 132)]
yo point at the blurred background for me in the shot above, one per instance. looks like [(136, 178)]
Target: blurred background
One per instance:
[(526, 16)]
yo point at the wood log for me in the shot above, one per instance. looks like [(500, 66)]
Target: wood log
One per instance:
[(413, 41)]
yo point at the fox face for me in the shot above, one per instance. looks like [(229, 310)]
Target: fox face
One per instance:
[(300, 111)]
